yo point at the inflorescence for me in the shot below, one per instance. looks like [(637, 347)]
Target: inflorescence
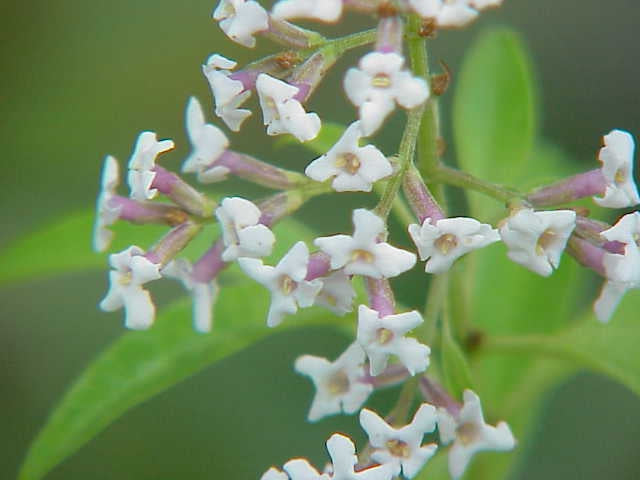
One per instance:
[(383, 352)]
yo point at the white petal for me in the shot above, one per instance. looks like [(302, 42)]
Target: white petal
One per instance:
[(326, 10), (609, 299), (140, 184), (274, 474)]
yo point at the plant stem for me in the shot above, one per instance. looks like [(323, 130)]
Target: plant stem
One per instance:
[(458, 178), (341, 45)]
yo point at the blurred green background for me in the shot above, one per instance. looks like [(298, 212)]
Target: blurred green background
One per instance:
[(81, 79)]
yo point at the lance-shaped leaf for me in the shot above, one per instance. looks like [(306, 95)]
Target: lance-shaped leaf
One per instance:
[(142, 364)]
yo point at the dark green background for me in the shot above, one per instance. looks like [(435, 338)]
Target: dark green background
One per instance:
[(81, 79)]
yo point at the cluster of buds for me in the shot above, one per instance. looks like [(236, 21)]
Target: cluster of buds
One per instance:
[(382, 352)]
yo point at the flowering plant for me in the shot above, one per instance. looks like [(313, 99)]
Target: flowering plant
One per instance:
[(446, 355)]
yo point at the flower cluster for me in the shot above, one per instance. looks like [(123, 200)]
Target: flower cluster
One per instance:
[(384, 351)]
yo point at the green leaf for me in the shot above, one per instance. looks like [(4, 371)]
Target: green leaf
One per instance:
[(64, 246), (455, 368), (141, 364), (494, 110)]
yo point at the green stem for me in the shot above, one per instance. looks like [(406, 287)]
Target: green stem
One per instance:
[(436, 298), (399, 415), (341, 45), (458, 178), (407, 152)]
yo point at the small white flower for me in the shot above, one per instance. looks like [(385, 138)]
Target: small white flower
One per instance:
[(536, 240), (354, 168), (378, 84), (208, 143), (142, 163), (448, 239), (382, 337), (229, 94), (470, 434), (274, 474), (617, 168), (241, 20), (242, 233), (337, 293), (455, 14), (286, 282), (130, 271), (361, 254), (344, 459), (325, 10), (282, 112), (301, 469), (203, 295), (106, 213), (338, 385), (401, 448), (622, 271)]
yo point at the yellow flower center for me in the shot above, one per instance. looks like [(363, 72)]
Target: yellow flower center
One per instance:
[(381, 80), (338, 384), (125, 279), (545, 241), (446, 243), (287, 284), (467, 433), (384, 336), (620, 176), (398, 448), (362, 256), (348, 162)]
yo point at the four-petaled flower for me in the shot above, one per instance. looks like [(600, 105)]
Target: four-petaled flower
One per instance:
[(617, 168), (362, 253), (208, 143), (282, 113), (325, 10), (286, 282), (382, 337), (337, 293), (470, 434), (378, 84), (130, 271), (241, 20), (242, 232), (353, 168), (344, 459), (622, 270), (451, 13), (228, 93), (401, 448), (106, 212), (536, 240), (142, 163), (339, 385), (441, 243)]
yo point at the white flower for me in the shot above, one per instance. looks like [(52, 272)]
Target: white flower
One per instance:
[(617, 168), (208, 143), (378, 84), (337, 293), (203, 295), (286, 282), (274, 474), (361, 254), (338, 385), (381, 337), (130, 271), (242, 233), (106, 213), (622, 271), (484, 4), (282, 112), (536, 240), (448, 239), (401, 448), (354, 168), (471, 434), (142, 163), (344, 459), (325, 10), (228, 93), (241, 20), (452, 13), (300, 469)]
